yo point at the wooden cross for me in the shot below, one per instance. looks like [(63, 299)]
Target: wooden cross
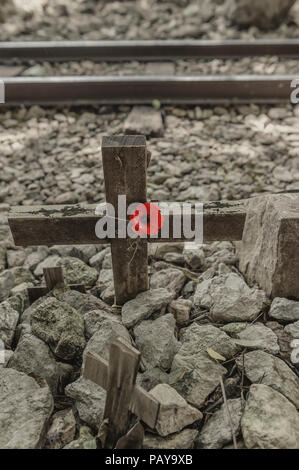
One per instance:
[(118, 378), (53, 276), (125, 161)]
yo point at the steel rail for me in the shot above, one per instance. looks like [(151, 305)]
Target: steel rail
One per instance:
[(146, 50), (144, 89)]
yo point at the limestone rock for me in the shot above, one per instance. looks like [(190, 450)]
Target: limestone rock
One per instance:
[(261, 367), (267, 14), (25, 410), (77, 272), (94, 319), (182, 440), (262, 337), (109, 332), (144, 305), (193, 373), (86, 440), (268, 253), (194, 257), (7, 282), (9, 318), (284, 310), (144, 120), (49, 262), (156, 341), (62, 429), (174, 413), (217, 432), (32, 355), (269, 421), (89, 399), (293, 330), (60, 326), (82, 302), (170, 278), (229, 298), (181, 310)]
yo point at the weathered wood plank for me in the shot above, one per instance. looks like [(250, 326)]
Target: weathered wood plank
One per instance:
[(125, 167), (96, 369), (123, 367), (142, 404), (53, 276), (69, 225)]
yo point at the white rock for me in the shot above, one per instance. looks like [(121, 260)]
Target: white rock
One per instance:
[(144, 305), (284, 310), (174, 413), (229, 298), (9, 318), (269, 421), (90, 401), (156, 341), (217, 432), (261, 367), (25, 410)]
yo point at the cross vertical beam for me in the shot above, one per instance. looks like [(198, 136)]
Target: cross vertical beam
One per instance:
[(125, 168)]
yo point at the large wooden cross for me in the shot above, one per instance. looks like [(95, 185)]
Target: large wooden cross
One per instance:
[(123, 395), (125, 161)]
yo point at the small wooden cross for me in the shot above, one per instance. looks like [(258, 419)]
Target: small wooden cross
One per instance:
[(118, 378), (53, 276), (125, 161)]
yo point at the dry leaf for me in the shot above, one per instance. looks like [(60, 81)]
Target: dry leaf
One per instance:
[(215, 355)]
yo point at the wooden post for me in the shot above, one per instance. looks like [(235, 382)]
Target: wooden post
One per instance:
[(53, 276), (125, 167), (123, 395)]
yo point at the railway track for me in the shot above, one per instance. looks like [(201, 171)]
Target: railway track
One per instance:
[(146, 50), (139, 89)]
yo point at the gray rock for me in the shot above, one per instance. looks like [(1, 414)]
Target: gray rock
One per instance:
[(193, 373), (89, 400), (261, 367), (77, 272), (217, 431), (49, 262), (94, 319), (82, 302), (15, 258), (269, 421), (5, 355), (270, 239), (144, 305), (82, 252), (181, 310), (32, 355), (229, 298), (25, 410), (171, 278), (144, 120), (182, 440), (293, 330), (35, 258), (96, 261), (7, 282), (62, 429), (9, 318), (86, 440), (284, 310), (267, 14), (233, 329), (109, 332), (194, 257), (262, 337), (174, 413), (156, 341), (60, 326)]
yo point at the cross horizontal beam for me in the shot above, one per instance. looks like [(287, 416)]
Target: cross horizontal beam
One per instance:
[(142, 403), (75, 224)]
